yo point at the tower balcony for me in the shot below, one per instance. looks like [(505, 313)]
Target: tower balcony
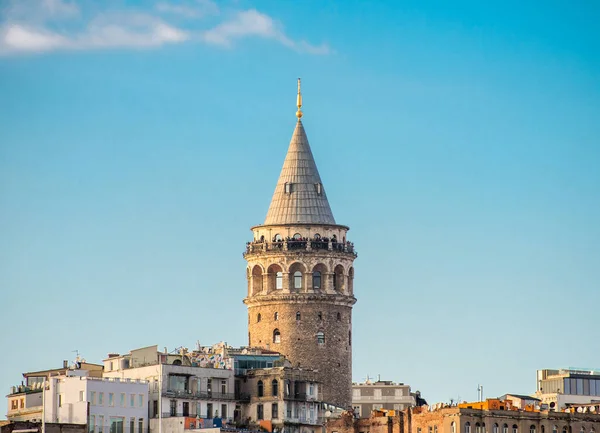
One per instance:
[(300, 245)]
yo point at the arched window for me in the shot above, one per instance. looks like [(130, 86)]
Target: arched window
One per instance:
[(349, 338), (298, 315), (505, 428), (276, 316), (261, 390), (320, 315), (320, 337), (276, 336), (477, 427), (258, 317), (555, 429), (453, 427), (277, 238), (495, 428), (275, 388), (467, 427), (279, 280), (316, 280), (338, 278), (435, 429), (257, 280), (531, 428), (317, 236), (515, 428), (297, 280), (339, 316), (482, 427), (543, 428), (297, 236)]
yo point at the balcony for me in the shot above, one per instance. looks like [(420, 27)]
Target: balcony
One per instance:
[(301, 420), (306, 245), (199, 395), (300, 396)]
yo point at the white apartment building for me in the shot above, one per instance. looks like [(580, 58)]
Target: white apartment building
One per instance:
[(182, 394), (104, 405), (382, 394)]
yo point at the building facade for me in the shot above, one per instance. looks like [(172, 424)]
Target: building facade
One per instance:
[(187, 390), (25, 400), (561, 388), (369, 396), (492, 416), (284, 399), (300, 276)]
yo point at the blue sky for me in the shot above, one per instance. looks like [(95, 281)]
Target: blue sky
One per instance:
[(460, 141)]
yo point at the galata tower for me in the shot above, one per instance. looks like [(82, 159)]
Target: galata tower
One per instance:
[(300, 275)]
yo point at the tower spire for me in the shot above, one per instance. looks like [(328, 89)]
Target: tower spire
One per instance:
[(299, 102)]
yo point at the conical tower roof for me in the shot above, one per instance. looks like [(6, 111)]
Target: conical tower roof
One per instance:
[(299, 195)]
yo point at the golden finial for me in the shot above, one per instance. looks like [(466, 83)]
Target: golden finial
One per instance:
[(299, 102)]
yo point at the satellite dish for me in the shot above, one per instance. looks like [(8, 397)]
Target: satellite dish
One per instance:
[(580, 409)]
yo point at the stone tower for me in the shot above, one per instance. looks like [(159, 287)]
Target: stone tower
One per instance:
[(300, 276)]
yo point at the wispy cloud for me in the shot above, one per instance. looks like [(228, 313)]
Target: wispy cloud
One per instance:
[(254, 23), (189, 9), (29, 26)]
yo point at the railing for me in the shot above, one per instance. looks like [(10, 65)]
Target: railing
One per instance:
[(205, 395), (406, 398), (300, 245), (301, 420)]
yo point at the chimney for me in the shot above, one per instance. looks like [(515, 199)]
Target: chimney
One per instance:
[(65, 364)]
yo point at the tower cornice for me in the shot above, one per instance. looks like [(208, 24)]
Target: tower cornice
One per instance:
[(300, 298)]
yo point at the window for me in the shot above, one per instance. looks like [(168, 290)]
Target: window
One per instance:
[(154, 408), (223, 411), (495, 428), (288, 190), (223, 387), (467, 427), (259, 412), (297, 280), (276, 336), (320, 316), (132, 425), (92, 424), (209, 410), (260, 387), (477, 428), (321, 340), (532, 429), (274, 411), (186, 408), (258, 317), (111, 399), (81, 394), (93, 397), (319, 188), (173, 407), (100, 398), (100, 423), (316, 280), (298, 316), (277, 238), (116, 425), (141, 400), (60, 398), (505, 428), (339, 317), (279, 280), (349, 338), (453, 427), (515, 429), (418, 429), (430, 429), (122, 399), (311, 389), (276, 316), (140, 425), (131, 400), (209, 385), (275, 388), (435, 429)]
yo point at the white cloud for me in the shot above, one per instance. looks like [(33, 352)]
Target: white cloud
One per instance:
[(28, 26), (254, 23), (18, 38)]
